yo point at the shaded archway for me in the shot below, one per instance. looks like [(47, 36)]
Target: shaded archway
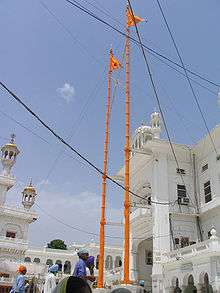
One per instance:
[(176, 286), (97, 262), (49, 262), (27, 259), (118, 262), (109, 262), (36, 260), (191, 288), (144, 261), (67, 267), (59, 262), (206, 287)]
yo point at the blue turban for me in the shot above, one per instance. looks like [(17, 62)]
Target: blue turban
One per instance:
[(141, 283), (53, 268), (82, 251)]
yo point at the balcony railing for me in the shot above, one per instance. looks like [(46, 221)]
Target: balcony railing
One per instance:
[(210, 246)]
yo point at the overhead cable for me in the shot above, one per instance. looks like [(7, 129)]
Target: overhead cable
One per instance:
[(187, 76), (151, 51), (149, 73), (63, 141)]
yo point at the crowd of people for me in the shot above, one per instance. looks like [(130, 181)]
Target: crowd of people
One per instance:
[(80, 282)]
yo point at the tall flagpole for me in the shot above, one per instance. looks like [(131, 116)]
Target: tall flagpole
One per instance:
[(103, 221), (126, 181)]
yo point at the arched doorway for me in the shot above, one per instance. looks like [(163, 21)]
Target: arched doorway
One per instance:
[(144, 262), (176, 287), (27, 259), (59, 262), (191, 288), (206, 287), (67, 267), (109, 262), (37, 260), (49, 262), (97, 262), (118, 262)]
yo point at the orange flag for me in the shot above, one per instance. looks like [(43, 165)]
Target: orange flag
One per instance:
[(131, 20), (114, 63)]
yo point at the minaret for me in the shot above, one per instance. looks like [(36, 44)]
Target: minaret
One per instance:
[(29, 195), (9, 153), (156, 124)]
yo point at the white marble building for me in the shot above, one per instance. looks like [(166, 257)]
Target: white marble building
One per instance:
[(173, 243), (14, 224)]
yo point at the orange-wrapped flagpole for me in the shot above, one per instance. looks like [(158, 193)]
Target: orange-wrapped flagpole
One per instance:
[(126, 181), (103, 221), (113, 64)]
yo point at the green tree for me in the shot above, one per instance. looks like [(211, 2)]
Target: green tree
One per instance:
[(57, 244)]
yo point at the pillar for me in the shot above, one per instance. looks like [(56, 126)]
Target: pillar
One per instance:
[(161, 226)]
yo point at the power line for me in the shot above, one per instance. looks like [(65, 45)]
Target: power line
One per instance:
[(63, 141), (186, 74), (75, 39), (86, 231), (150, 50), (68, 31), (156, 96)]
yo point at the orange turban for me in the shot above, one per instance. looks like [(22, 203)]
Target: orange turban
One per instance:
[(21, 269)]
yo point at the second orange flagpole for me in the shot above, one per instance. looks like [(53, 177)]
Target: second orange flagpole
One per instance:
[(126, 181), (103, 220)]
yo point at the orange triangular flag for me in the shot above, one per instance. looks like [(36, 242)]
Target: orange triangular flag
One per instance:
[(114, 63), (131, 20)]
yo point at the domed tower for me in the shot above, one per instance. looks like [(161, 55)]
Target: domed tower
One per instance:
[(9, 154), (156, 124), (29, 195)]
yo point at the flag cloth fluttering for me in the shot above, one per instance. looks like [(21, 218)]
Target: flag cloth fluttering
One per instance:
[(131, 20), (114, 63)]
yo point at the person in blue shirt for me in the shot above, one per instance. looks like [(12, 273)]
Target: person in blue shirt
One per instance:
[(80, 267), (19, 285)]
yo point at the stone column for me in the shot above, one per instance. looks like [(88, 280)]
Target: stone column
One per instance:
[(161, 227)]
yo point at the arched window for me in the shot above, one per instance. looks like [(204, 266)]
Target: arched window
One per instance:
[(190, 287), (206, 287), (149, 200), (109, 262), (36, 260), (148, 257), (49, 262), (118, 262), (177, 288), (27, 259), (67, 267), (59, 262)]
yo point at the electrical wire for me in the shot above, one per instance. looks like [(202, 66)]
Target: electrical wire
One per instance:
[(64, 142), (150, 50), (86, 231), (157, 97), (187, 77), (68, 31)]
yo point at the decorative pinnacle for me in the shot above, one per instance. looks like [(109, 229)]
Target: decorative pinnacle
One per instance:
[(13, 136), (30, 184)]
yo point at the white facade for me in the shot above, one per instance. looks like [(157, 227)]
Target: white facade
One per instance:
[(14, 224), (180, 207)]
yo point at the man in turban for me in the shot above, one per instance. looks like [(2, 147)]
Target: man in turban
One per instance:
[(19, 285), (50, 281), (80, 267)]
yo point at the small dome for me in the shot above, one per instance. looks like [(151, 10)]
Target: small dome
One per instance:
[(30, 188), (11, 146)]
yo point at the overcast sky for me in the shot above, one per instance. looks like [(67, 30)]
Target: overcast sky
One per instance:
[(61, 74)]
